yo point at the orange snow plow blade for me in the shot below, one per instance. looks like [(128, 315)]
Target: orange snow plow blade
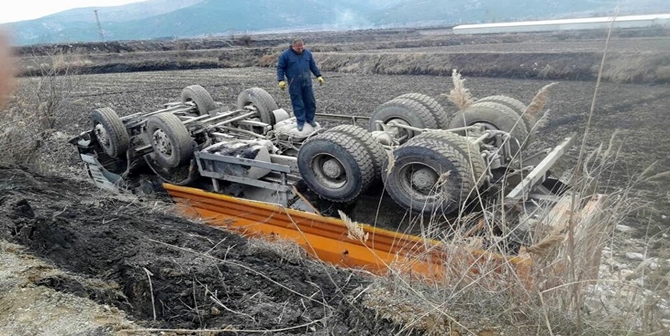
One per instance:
[(327, 238)]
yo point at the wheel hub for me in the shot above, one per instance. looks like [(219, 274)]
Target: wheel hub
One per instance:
[(161, 142), (424, 179), (329, 171), (101, 134), (332, 169), (398, 132)]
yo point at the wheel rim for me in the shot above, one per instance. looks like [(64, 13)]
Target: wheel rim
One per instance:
[(161, 143), (419, 180), (402, 134), (101, 134), (329, 171), (489, 127)]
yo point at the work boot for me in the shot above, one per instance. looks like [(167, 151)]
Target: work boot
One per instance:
[(300, 127), (312, 123)]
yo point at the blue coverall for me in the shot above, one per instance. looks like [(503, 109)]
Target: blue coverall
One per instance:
[(297, 67)]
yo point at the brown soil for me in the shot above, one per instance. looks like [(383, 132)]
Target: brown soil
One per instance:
[(200, 277)]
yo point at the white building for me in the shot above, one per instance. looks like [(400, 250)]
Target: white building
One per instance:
[(632, 21)]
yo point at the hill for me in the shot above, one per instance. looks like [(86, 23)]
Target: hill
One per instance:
[(175, 18)]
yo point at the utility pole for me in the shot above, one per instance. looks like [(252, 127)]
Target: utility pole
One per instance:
[(100, 32)]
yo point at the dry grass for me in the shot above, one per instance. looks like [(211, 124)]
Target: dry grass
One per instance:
[(459, 95), (546, 294), (286, 250), (483, 294), (268, 60), (29, 126), (538, 103), (354, 230)]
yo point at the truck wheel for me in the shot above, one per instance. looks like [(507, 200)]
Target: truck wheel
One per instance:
[(428, 177), (404, 111), (335, 166), (202, 99), (110, 132), (375, 150), (515, 105), (510, 102), (170, 140), (440, 115), (476, 167), (496, 117), (261, 100)]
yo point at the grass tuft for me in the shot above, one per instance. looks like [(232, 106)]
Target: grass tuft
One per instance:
[(538, 103), (354, 230), (459, 95)]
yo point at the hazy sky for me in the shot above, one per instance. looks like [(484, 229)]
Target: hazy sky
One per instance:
[(19, 10)]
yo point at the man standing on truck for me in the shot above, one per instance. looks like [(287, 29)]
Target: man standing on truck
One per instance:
[(297, 64)]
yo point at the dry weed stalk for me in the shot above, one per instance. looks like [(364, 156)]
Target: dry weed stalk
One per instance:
[(354, 230), (543, 247), (656, 177), (151, 289), (538, 103), (285, 249), (406, 310), (459, 95), (551, 240)]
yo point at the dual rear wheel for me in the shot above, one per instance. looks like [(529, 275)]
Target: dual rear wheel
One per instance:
[(432, 172)]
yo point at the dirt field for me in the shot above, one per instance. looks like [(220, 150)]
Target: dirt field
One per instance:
[(160, 271)]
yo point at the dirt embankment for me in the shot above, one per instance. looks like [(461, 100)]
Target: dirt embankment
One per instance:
[(620, 67), (168, 272), (635, 57)]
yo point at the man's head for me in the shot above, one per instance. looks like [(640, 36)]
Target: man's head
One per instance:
[(298, 46)]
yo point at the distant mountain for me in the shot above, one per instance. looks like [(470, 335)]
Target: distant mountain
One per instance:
[(133, 11), (482, 11), (187, 18)]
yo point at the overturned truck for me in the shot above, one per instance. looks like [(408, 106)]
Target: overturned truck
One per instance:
[(250, 169)]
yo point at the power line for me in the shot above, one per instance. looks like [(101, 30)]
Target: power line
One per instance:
[(100, 32)]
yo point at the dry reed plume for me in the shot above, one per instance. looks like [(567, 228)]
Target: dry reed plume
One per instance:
[(538, 103), (459, 95)]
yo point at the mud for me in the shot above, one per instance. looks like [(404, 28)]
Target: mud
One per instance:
[(189, 275)]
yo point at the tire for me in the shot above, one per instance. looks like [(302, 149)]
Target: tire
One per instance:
[(375, 150), (515, 105), (441, 116), (260, 99), (433, 158), (171, 141), (335, 166), (477, 165), (495, 116), (202, 99), (510, 102), (406, 110), (110, 132), (526, 120)]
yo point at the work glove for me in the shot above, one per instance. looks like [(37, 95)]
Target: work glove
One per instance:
[(320, 79), (282, 85)]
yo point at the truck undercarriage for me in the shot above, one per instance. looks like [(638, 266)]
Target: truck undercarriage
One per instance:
[(251, 170)]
